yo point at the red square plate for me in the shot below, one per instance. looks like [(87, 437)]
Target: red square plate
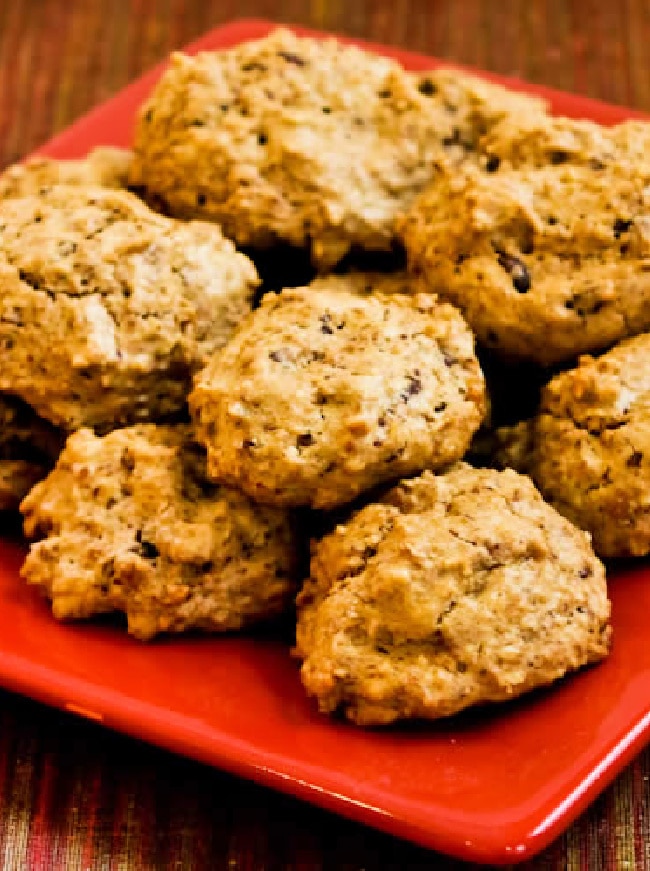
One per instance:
[(493, 786)]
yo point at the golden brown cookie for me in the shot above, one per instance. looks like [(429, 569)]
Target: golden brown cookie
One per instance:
[(330, 389), (535, 139), (129, 522), (106, 309), (104, 166), (588, 448), (455, 590), (305, 141), (545, 263)]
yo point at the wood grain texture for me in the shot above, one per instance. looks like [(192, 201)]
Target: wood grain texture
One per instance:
[(75, 796)]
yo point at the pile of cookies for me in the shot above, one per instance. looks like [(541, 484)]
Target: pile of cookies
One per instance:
[(173, 433)]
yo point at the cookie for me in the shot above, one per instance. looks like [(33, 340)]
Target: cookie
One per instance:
[(588, 448), (477, 107), (455, 590), (328, 390), (535, 139), (106, 309), (545, 263), (128, 522), (303, 141), (104, 166), (28, 448)]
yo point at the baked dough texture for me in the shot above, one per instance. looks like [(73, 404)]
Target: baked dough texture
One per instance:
[(588, 448), (106, 309), (455, 590), (128, 522), (328, 390), (104, 166), (305, 141), (545, 263), (535, 139), (28, 448)]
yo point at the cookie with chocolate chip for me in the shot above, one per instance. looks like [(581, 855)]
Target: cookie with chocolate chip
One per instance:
[(304, 141), (328, 390), (129, 522), (588, 448), (455, 590), (107, 309), (530, 139), (545, 263)]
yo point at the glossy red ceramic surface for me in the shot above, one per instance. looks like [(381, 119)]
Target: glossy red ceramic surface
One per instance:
[(494, 786)]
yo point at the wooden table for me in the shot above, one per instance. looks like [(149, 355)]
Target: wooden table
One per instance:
[(74, 796)]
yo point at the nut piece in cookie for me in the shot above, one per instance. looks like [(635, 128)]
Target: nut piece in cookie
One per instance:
[(328, 390), (29, 446), (107, 309), (588, 448), (544, 263), (304, 141), (456, 590), (129, 522), (104, 166)]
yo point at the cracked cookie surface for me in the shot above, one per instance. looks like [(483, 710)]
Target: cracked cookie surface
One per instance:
[(328, 390), (305, 141), (106, 309), (455, 590), (129, 522), (104, 166), (545, 263), (588, 448)]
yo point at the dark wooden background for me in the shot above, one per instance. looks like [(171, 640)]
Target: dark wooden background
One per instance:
[(75, 796)]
